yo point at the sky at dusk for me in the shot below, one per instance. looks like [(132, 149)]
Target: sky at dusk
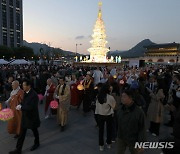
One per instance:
[(63, 23)]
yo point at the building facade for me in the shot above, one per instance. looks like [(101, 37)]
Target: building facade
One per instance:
[(163, 53), (11, 23)]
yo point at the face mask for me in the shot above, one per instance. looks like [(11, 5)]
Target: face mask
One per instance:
[(178, 94)]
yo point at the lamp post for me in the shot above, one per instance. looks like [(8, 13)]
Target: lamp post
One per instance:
[(76, 47)]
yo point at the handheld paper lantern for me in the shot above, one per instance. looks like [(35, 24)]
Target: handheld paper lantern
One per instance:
[(121, 82), (115, 76), (6, 114), (80, 87), (54, 104), (95, 87), (41, 97)]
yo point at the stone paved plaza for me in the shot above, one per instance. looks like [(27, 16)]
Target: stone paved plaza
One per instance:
[(80, 137)]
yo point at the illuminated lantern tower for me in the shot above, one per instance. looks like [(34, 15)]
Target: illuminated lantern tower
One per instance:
[(98, 51)]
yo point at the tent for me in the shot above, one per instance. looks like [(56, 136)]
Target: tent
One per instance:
[(20, 62), (2, 62)]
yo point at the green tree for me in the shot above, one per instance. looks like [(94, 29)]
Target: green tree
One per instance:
[(22, 52), (6, 52)]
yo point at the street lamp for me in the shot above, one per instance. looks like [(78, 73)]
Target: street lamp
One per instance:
[(76, 47)]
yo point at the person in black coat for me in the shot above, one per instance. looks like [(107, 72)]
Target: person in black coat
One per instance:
[(176, 127), (30, 117)]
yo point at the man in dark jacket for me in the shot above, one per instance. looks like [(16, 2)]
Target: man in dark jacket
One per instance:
[(131, 124), (30, 117), (176, 127)]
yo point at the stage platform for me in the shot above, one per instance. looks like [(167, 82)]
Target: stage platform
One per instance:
[(90, 64)]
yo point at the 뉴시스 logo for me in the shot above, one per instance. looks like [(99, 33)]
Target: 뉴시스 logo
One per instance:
[(154, 145)]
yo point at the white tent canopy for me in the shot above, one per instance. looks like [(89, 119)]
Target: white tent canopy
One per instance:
[(2, 62), (20, 62)]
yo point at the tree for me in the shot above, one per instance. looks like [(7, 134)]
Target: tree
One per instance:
[(23, 51), (5, 52)]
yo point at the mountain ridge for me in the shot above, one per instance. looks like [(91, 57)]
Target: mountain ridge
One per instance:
[(136, 51)]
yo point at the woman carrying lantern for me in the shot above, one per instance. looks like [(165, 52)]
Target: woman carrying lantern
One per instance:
[(50, 88), (15, 99), (88, 92)]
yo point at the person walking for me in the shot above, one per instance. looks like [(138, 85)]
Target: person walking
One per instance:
[(50, 88), (105, 105), (88, 93), (131, 124), (15, 99), (30, 117), (64, 97)]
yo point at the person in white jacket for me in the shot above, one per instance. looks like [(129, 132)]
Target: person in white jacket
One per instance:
[(105, 105)]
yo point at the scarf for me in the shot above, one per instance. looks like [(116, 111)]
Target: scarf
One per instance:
[(14, 92)]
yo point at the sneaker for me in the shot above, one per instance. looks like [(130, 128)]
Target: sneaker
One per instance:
[(109, 146), (101, 148), (47, 117), (153, 134)]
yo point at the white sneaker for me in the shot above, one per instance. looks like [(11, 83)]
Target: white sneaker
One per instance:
[(46, 117), (109, 146), (101, 148), (153, 134)]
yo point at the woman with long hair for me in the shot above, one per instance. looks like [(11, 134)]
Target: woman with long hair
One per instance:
[(105, 105)]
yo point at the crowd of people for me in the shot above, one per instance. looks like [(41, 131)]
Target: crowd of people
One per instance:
[(122, 99)]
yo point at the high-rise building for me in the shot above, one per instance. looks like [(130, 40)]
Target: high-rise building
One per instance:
[(11, 23)]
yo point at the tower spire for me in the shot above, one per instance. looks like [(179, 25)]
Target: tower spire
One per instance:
[(100, 12)]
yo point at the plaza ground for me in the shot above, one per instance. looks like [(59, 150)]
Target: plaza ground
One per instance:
[(80, 136)]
